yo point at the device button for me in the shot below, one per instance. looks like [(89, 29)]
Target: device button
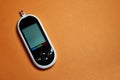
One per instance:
[(50, 54), (39, 59), (45, 59), (51, 50), (42, 54)]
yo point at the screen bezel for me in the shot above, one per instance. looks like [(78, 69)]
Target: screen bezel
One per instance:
[(26, 22)]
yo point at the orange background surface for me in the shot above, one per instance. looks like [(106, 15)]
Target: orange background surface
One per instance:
[(85, 33)]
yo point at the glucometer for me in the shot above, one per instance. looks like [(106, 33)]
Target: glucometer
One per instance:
[(36, 40)]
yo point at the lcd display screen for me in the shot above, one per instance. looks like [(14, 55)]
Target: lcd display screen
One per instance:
[(34, 36)]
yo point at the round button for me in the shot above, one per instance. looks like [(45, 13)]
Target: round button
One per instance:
[(50, 54), (45, 59), (42, 54), (51, 50), (39, 59)]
